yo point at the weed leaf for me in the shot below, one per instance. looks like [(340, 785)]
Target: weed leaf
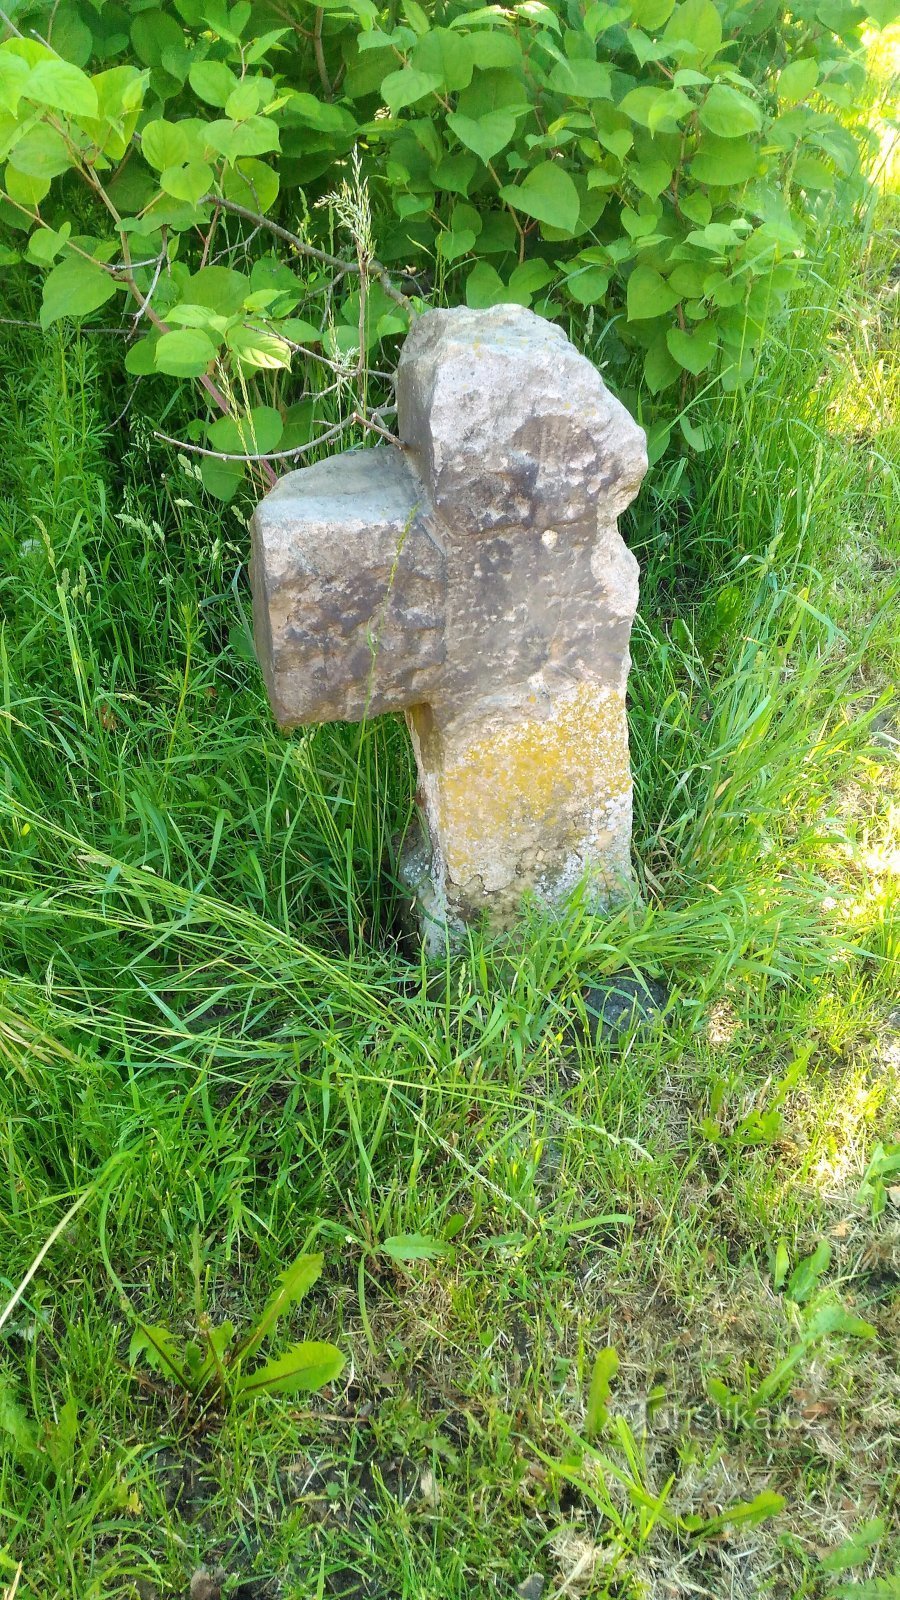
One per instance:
[(747, 1513), (414, 1247), (15, 1422), (807, 1273), (158, 1345), (886, 1588), (857, 1549), (605, 1368), (293, 1284), (306, 1367)]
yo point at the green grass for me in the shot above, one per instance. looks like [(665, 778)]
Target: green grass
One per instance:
[(212, 1033)]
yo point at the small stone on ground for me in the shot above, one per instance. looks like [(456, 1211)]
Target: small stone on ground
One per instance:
[(532, 1588), (623, 1003)]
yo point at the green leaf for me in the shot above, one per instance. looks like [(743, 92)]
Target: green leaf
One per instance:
[(216, 1342), (306, 1367), (605, 1368), (729, 113), (258, 136), (549, 194), (484, 287), (693, 351), (152, 33), (747, 1513), (141, 358), (648, 295), (221, 478), (807, 1273), (256, 349), (652, 177), (228, 24), (588, 284), (256, 434), (405, 87), (586, 80), (652, 13), (638, 103), (724, 1397), (724, 162), (40, 153), (527, 279), (212, 81), (837, 1319), (186, 315), (857, 1548), (414, 1247), (190, 182), (486, 135), (797, 80), (27, 191), (447, 55), (160, 1350), (696, 207), (660, 368), (221, 289), (313, 113), (415, 16), (886, 1588), (15, 1422), (45, 244), (698, 25), (165, 144), (245, 100), (75, 288), (186, 353), (493, 90), (811, 173), (453, 244), (299, 331), (495, 49), (601, 16), (668, 110), (251, 183), (14, 74), (63, 87)]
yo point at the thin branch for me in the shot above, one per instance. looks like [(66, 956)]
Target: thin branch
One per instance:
[(282, 455), (21, 322), (320, 53), (271, 455), (163, 256), (375, 267)]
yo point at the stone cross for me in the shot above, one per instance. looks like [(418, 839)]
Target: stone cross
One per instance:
[(473, 578)]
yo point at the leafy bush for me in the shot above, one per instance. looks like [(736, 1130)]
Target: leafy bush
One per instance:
[(652, 163)]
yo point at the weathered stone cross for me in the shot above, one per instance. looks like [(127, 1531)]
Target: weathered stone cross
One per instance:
[(474, 579)]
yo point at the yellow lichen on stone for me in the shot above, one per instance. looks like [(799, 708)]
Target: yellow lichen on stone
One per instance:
[(547, 780)]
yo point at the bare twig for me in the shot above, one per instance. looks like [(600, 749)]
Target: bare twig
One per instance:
[(22, 322), (282, 455), (320, 53), (144, 309), (377, 269)]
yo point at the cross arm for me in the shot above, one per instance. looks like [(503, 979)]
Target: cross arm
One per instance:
[(348, 589)]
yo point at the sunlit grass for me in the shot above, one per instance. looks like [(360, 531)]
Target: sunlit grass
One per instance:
[(205, 1008)]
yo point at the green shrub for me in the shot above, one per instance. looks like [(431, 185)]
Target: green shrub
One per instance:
[(656, 165)]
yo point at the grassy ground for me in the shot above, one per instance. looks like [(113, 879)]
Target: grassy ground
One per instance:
[(214, 1047)]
